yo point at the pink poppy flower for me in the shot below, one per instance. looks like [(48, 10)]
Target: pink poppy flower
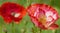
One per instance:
[(43, 16)]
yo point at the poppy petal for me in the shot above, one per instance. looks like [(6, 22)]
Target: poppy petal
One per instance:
[(53, 26)]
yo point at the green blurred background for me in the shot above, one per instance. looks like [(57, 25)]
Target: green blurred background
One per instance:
[(26, 25)]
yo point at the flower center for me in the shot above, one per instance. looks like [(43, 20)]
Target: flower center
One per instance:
[(42, 19), (15, 14)]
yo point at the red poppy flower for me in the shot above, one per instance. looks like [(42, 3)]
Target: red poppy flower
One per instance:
[(12, 12), (43, 16)]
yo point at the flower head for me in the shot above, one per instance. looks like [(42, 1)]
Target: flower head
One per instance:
[(12, 12), (43, 16)]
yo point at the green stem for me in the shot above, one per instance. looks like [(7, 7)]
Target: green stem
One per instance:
[(40, 31), (13, 31), (33, 30), (4, 28)]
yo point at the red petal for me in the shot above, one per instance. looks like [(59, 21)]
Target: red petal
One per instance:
[(53, 26), (7, 19)]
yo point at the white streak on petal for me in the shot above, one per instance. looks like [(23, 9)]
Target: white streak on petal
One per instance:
[(17, 15), (49, 19), (49, 13), (54, 16)]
